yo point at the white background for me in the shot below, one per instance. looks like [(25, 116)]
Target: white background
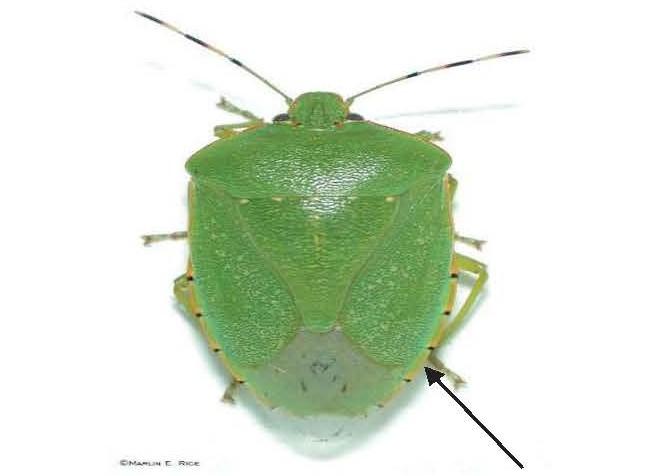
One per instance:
[(100, 110)]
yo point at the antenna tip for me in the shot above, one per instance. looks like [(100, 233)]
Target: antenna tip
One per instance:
[(148, 17), (511, 53)]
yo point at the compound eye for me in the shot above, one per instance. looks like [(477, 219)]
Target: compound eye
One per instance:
[(281, 118), (354, 117)]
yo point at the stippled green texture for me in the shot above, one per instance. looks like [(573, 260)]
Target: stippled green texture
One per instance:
[(360, 158), (396, 301), (321, 257)]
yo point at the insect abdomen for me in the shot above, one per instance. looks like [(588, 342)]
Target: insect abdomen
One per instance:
[(321, 253)]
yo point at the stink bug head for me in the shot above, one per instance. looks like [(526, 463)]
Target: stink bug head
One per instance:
[(318, 110)]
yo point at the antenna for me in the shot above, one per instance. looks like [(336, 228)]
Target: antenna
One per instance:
[(218, 51), (435, 68)]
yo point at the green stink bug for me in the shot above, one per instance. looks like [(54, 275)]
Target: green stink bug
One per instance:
[(322, 267)]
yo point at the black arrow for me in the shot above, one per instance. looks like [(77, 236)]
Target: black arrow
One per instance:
[(435, 376)]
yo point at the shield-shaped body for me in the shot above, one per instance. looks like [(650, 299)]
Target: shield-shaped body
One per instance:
[(321, 250), (321, 260)]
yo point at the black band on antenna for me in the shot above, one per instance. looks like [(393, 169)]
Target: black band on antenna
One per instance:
[(217, 51), (435, 68)]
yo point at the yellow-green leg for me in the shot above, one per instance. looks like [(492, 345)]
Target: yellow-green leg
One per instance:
[(437, 364), (225, 131), (230, 392), (460, 264), (430, 136), (474, 242), (177, 235), (185, 295), (465, 264), (227, 106)]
